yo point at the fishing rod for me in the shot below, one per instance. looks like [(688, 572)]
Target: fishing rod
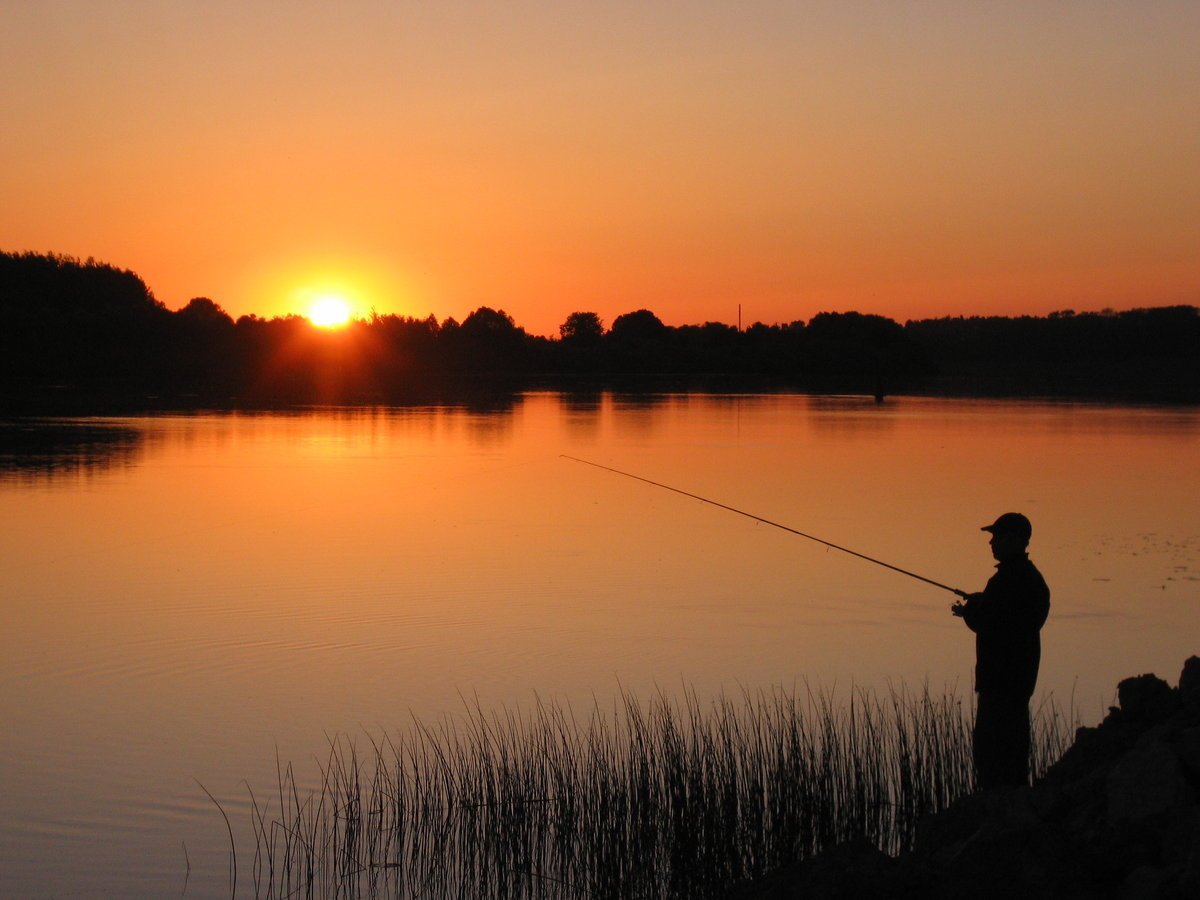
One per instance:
[(740, 512)]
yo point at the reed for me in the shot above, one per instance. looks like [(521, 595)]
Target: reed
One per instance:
[(658, 798)]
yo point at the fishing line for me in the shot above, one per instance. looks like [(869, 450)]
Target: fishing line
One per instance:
[(790, 530)]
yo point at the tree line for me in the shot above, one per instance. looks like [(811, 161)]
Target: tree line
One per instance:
[(67, 324)]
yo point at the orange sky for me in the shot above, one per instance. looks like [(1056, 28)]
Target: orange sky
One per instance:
[(905, 159)]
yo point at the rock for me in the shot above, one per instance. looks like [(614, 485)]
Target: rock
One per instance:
[(1117, 816), (1148, 781), (1048, 802), (942, 835), (1188, 749), (1146, 883), (1181, 836), (1189, 685), (1189, 878), (1094, 750), (1146, 697)]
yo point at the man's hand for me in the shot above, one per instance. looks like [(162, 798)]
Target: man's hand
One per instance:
[(960, 608)]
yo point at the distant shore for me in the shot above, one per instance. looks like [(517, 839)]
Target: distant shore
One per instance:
[(88, 336)]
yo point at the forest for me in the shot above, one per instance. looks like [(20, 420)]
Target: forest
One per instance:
[(87, 331)]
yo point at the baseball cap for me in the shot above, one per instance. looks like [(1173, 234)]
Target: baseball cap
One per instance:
[(1011, 523)]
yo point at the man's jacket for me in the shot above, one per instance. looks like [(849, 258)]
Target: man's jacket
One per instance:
[(1006, 618)]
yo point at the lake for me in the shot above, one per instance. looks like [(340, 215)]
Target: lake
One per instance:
[(188, 598)]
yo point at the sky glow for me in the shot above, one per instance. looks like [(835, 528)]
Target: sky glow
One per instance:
[(907, 160)]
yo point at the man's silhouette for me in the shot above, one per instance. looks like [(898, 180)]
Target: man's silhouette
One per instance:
[(1006, 618)]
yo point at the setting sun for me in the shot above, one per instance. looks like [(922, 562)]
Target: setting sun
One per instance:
[(329, 312)]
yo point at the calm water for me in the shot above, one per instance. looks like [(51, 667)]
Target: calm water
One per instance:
[(186, 597)]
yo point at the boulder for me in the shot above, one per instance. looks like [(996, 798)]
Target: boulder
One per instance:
[(1189, 685), (1187, 747), (1146, 697), (1148, 781), (1147, 883)]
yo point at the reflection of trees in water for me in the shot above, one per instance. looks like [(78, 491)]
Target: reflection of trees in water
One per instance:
[(624, 401), (581, 411), (53, 448), (849, 417), (483, 400), (588, 400), (489, 429), (489, 418), (634, 415)]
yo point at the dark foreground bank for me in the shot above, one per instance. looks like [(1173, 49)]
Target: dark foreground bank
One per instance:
[(1117, 816)]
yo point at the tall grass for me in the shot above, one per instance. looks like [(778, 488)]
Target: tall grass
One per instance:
[(665, 798)]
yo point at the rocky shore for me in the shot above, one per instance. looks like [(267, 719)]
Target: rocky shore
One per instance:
[(1116, 817)]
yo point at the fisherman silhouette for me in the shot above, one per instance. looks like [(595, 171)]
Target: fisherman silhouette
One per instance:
[(1006, 618)]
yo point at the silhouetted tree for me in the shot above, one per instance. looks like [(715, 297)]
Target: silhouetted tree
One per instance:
[(776, 350), (486, 323), (582, 328), (580, 349), (404, 347), (67, 320), (865, 352), (1138, 353), (639, 342), (204, 313), (203, 351), (489, 341), (641, 325), (713, 347)]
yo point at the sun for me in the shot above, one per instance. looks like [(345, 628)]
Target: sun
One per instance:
[(329, 311)]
